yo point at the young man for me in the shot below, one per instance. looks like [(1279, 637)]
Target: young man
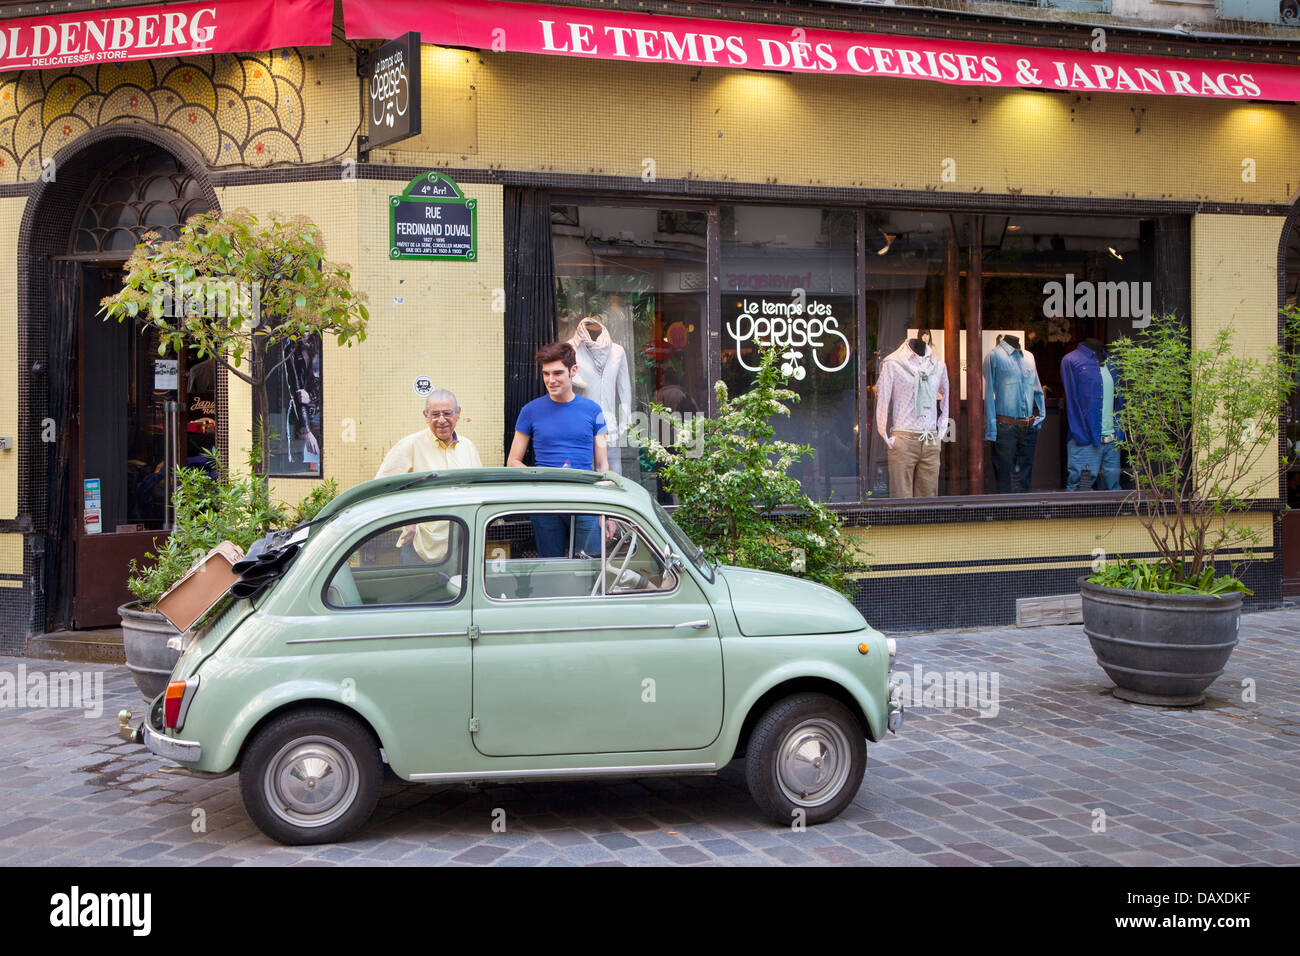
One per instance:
[(566, 431)]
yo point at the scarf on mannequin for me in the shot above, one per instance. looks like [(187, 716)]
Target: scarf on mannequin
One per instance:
[(925, 376), (598, 348)]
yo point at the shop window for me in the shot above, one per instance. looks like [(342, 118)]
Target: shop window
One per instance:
[(865, 306), (788, 280), (632, 296), (1051, 293)]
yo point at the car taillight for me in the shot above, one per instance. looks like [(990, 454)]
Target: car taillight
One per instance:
[(177, 701)]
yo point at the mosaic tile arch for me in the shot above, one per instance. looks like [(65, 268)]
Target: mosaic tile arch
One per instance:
[(236, 109)]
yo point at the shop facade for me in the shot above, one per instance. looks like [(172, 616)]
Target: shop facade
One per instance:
[(682, 213)]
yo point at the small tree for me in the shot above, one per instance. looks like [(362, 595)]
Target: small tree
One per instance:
[(729, 473), (232, 288), (1197, 426)]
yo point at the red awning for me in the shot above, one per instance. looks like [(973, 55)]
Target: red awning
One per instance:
[(164, 29), (643, 38)]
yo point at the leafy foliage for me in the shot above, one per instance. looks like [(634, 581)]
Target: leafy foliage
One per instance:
[(1135, 575), (740, 474), (237, 286), (1199, 431), (233, 507)]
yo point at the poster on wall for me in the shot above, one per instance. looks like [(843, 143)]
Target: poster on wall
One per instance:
[(295, 396), (91, 510), (432, 219)]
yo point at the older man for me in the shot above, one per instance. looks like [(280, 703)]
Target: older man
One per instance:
[(436, 448)]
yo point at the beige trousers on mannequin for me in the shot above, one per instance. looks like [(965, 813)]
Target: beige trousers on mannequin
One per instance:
[(913, 467)]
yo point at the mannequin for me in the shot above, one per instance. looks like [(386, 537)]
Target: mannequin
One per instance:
[(1014, 409), (1091, 401), (604, 378), (912, 394)]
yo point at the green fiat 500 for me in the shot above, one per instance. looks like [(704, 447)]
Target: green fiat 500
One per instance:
[(510, 625)]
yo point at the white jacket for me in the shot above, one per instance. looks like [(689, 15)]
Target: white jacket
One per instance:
[(603, 377)]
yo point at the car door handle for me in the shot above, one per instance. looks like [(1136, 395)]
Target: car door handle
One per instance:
[(698, 625)]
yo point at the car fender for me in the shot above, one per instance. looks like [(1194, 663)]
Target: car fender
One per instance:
[(748, 690), (230, 742)]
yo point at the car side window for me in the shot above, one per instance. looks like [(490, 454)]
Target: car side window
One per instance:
[(537, 556), (416, 562)]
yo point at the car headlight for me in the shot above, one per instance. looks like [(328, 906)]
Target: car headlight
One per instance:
[(893, 648)]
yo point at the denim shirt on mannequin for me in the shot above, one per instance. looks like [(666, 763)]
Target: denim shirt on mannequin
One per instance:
[(1011, 388)]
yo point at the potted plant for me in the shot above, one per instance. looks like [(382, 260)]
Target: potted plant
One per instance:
[(735, 497), (209, 509), (238, 290), (1199, 427)]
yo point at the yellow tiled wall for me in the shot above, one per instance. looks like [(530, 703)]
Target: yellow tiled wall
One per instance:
[(1234, 286), (565, 115), (433, 318), (1085, 539), (11, 214)]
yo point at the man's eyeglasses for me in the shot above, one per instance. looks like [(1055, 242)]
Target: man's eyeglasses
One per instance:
[(435, 416)]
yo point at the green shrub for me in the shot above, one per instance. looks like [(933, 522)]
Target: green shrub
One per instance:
[(207, 511), (1199, 430)]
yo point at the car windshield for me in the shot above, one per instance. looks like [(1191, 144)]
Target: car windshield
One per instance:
[(682, 543)]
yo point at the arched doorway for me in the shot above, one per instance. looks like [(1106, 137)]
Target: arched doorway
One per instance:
[(117, 417)]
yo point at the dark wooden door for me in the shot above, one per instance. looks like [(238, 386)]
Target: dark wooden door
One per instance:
[(125, 445)]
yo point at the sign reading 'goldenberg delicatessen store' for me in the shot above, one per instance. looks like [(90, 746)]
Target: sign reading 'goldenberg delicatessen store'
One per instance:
[(175, 29)]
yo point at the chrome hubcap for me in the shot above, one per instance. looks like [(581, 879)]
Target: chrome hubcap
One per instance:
[(812, 764), (311, 781)]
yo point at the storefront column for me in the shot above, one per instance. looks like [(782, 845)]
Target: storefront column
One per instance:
[(974, 368), (952, 355)]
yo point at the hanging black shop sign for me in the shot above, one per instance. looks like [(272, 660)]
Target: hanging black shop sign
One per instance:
[(393, 92), (432, 219)]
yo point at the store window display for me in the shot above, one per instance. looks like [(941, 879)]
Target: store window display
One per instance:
[(632, 298), (788, 278), (1014, 410), (603, 377), (1091, 405), (911, 417)]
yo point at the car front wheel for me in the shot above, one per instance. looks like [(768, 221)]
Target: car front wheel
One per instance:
[(312, 776), (805, 759)]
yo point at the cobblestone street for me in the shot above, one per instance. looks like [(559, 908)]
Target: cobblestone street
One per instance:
[(1034, 784)]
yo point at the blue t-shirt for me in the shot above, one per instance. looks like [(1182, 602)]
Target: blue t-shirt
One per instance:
[(562, 433)]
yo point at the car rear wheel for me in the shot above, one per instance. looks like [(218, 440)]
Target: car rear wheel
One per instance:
[(312, 776), (805, 759)]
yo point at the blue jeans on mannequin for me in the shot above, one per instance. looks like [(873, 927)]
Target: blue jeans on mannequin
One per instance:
[(551, 532), (1013, 454), (1084, 463)]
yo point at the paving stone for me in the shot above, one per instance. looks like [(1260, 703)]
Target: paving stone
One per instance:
[(1210, 786)]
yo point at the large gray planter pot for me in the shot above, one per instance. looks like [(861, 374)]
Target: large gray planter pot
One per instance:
[(150, 660), (1161, 649)]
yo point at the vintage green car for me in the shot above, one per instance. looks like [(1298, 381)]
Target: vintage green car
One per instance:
[(511, 625)]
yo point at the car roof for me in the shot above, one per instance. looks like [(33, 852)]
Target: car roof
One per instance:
[(461, 486)]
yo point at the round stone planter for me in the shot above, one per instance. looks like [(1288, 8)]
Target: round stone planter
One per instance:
[(1161, 649), (149, 659)]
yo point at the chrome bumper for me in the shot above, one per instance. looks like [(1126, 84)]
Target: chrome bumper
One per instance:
[(182, 751), (895, 707)]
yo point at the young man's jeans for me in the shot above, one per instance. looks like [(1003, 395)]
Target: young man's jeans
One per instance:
[(551, 532), (1013, 451), (1086, 463)]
